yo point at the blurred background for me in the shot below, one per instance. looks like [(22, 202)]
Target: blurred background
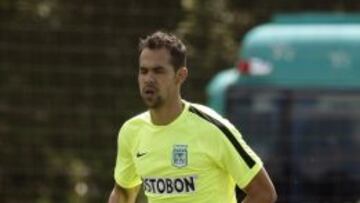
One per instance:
[(68, 81)]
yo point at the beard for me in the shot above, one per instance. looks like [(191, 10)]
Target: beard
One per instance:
[(152, 101)]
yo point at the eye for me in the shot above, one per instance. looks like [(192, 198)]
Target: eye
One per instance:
[(159, 70), (143, 71)]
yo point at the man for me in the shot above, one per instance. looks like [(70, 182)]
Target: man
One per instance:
[(181, 152)]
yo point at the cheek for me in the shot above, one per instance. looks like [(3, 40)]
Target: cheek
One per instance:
[(170, 81), (140, 79), (171, 85)]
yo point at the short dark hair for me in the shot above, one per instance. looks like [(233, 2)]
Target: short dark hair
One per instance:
[(173, 44)]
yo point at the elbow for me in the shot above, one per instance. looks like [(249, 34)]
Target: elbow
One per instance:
[(271, 196), (266, 196)]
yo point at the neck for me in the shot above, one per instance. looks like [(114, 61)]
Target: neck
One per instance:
[(167, 113)]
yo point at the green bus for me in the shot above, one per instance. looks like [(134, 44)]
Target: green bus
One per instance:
[(294, 93)]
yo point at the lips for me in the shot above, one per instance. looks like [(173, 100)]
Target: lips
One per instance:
[(149, 90)]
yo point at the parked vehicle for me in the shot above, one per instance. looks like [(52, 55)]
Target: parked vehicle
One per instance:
[(295, 96)]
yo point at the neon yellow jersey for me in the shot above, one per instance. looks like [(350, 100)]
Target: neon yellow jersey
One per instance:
[(199, 157)]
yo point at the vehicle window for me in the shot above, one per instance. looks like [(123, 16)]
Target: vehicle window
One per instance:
[(308, 140), (326, 149)]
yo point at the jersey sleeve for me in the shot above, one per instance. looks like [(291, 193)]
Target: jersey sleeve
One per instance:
[(125, 173), (236, 157)]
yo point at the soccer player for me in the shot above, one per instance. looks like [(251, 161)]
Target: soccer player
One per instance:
[(181, 152)]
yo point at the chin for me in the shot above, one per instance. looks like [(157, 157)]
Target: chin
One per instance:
[(153, 104)]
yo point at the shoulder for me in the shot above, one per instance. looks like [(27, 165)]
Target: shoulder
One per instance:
[(213, 120), (129, 131), (140, 119), (135, 123), (208, 115), (202, 110)]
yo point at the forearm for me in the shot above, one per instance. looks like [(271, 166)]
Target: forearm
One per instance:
[(117, 197), (121, 195)]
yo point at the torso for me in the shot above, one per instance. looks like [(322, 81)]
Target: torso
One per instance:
[(177, 162)]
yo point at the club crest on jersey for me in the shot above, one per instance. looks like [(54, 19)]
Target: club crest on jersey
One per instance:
[(179, 156)]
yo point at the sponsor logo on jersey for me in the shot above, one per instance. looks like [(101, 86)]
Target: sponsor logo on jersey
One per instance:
[(179, 185), (139, 154), (179, 156)]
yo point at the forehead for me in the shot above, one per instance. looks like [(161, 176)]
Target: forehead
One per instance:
[(154, 57)]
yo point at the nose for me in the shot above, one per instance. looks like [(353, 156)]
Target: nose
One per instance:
[(149, 77)]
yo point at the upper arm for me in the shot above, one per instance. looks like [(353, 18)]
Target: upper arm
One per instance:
[(237, 158), (261, 188), (125, 171)]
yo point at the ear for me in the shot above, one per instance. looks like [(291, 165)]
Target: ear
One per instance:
[(181, 75)]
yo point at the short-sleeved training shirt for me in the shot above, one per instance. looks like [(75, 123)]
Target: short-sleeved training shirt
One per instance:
[(199, 157)]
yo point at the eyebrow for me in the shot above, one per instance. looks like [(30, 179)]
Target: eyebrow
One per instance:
[(155, 67)]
